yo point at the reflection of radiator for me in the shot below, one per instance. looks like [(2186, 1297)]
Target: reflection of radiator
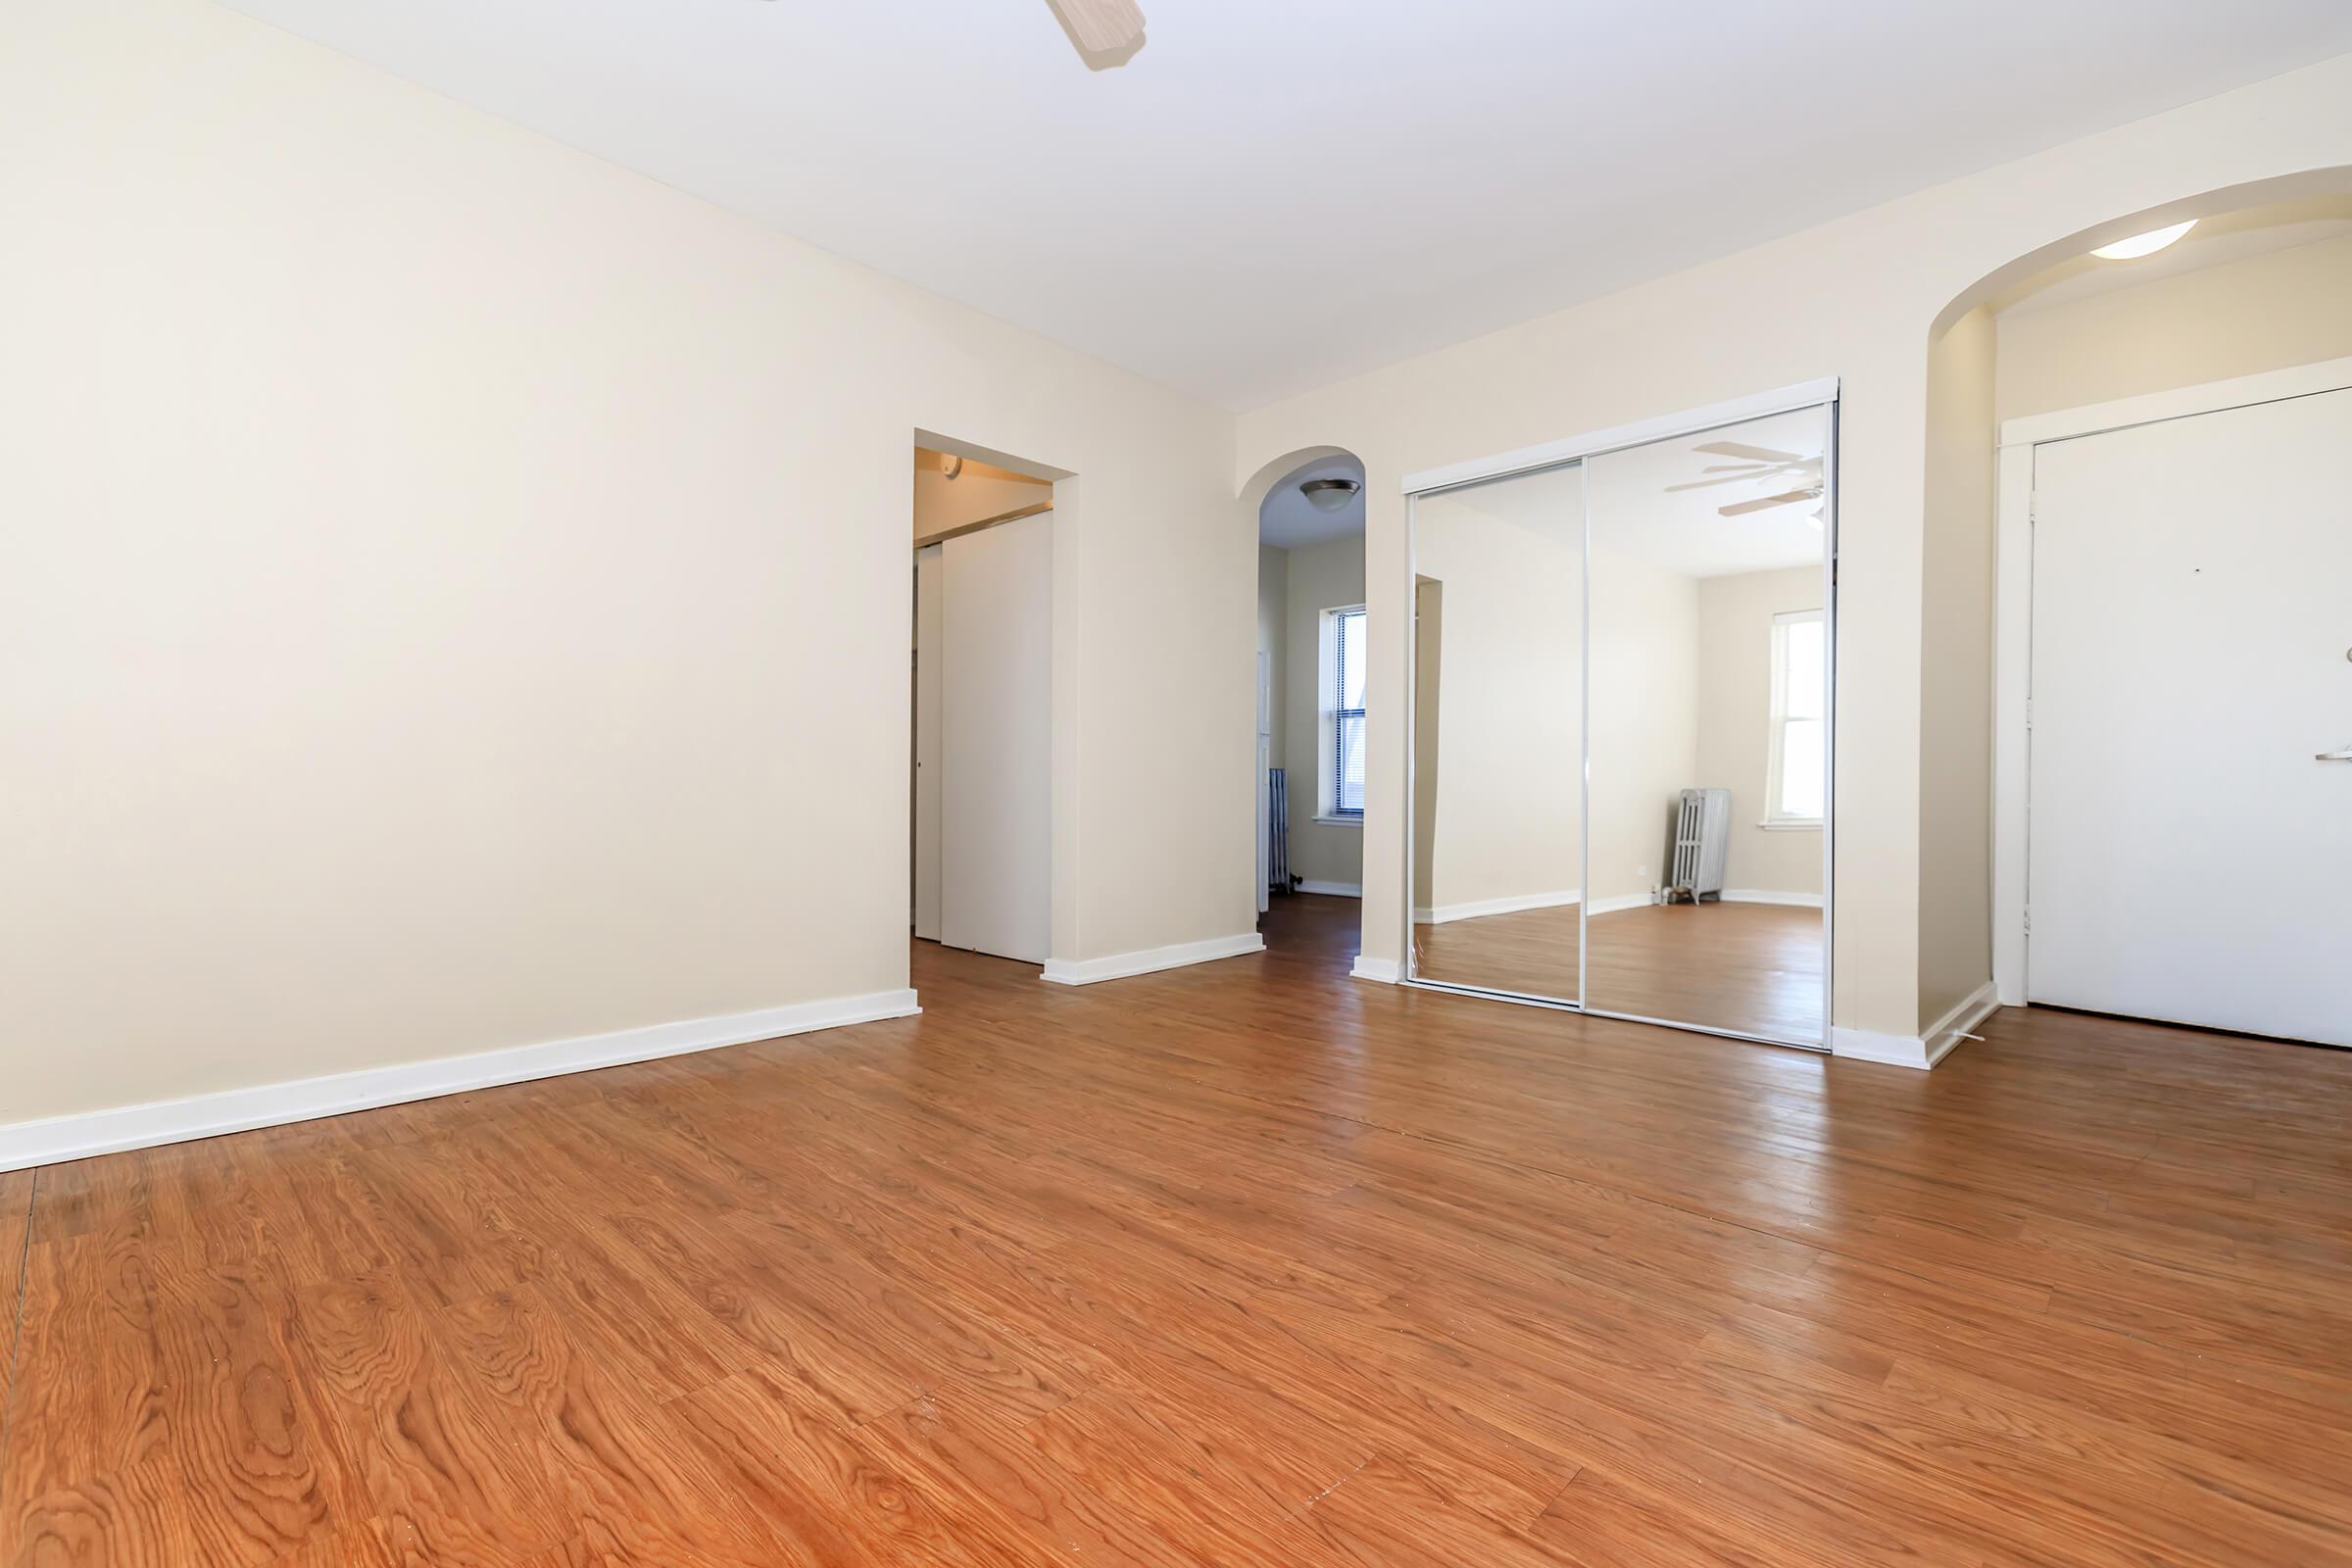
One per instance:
[(1278, 830), (1702, 829)]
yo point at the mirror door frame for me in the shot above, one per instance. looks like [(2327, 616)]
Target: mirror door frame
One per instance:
[(1576, 450)]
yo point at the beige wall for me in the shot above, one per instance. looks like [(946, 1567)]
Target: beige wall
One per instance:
[(1734, 722), (2265, 313), (1857, 299), (1318, 578), (1274, 640), (1955, 754), (454, 585), (1507, 822)]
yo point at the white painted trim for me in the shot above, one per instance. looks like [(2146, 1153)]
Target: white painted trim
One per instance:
[(1782, 400), (1801, 901), (2012, 701), (1382, 970), (235, 1110), (2013, 612), (1442, 913), (1622, 901), (2180, 403), (1151, 961), (1337, 890), (1922, 1051)]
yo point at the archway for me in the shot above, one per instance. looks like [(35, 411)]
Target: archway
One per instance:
[(1307, 509), (2059, 343)]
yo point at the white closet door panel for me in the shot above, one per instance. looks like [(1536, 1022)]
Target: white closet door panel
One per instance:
[(2190, 855), (995, 712), (928, 573)]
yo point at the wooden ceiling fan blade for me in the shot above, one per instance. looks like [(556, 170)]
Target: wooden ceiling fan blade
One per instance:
[(1102, 28), (1735, 467), (1743, 507), (1741, 448)]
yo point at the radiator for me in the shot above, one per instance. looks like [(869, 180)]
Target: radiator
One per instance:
[(1278, 830), (1702, 830)]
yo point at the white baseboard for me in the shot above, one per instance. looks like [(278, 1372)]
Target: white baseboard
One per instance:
[(1383, 970), (1337, 890), (236, 1111), (1924, 1050), (1801, 901), (1622, 901), (1119, 965), (1473, 910)]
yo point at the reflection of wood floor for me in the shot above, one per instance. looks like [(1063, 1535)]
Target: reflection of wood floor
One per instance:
[(1753, 967)]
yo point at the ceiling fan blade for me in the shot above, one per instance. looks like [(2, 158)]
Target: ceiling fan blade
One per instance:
[(1735, 467), (1709, 484), (1740, 448), (1743, 508), (1105, 31)]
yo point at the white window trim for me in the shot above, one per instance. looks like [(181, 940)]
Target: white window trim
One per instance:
[(1327, 718), (1775, 819)]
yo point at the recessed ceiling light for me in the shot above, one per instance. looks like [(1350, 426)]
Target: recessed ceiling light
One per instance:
[(1330, 495), (2149, 244)]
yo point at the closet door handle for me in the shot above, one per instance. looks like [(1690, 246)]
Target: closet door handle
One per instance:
[(2344, 756)]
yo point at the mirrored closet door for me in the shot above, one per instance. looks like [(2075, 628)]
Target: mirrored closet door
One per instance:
[(1620, 727), (1498, 735), (1708, 693)]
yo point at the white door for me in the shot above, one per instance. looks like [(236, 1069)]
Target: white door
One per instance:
[(2190, 853), (996, 739), (929, 569)]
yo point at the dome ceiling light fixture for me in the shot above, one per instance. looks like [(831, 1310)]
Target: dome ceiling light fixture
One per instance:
[(2139, 245), (1330, 495)]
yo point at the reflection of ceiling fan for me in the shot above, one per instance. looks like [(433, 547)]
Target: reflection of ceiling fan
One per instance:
[(1799, 476), (1106, 33)]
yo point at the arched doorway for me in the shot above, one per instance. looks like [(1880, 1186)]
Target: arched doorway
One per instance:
[(1311, 711)]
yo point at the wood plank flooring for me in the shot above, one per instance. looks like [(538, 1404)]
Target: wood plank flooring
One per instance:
[(1248, 1263), (1751, 967)]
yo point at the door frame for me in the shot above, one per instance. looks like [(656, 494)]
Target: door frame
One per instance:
[(2013, 612), (1824, 394)]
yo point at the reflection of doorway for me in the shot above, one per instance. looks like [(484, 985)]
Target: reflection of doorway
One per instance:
[(1429, 655)]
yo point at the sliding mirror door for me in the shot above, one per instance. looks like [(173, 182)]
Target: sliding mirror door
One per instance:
[(1709, 696), (1498, 803)]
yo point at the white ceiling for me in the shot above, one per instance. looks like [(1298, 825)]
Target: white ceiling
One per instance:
[(1287, 520), (1271, 195)]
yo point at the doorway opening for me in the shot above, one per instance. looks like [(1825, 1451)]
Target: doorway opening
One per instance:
[(1313, 657), (981, 754), (2171, 715)]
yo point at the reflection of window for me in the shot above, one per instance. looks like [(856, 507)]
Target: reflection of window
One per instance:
[(1342, 703), (1797, 785)]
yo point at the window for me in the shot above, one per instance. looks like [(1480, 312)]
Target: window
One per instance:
[(1798, 784), (1343, 682)]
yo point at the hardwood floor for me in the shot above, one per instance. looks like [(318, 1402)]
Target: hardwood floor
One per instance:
[(1248, 1263), (1751, 967)]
